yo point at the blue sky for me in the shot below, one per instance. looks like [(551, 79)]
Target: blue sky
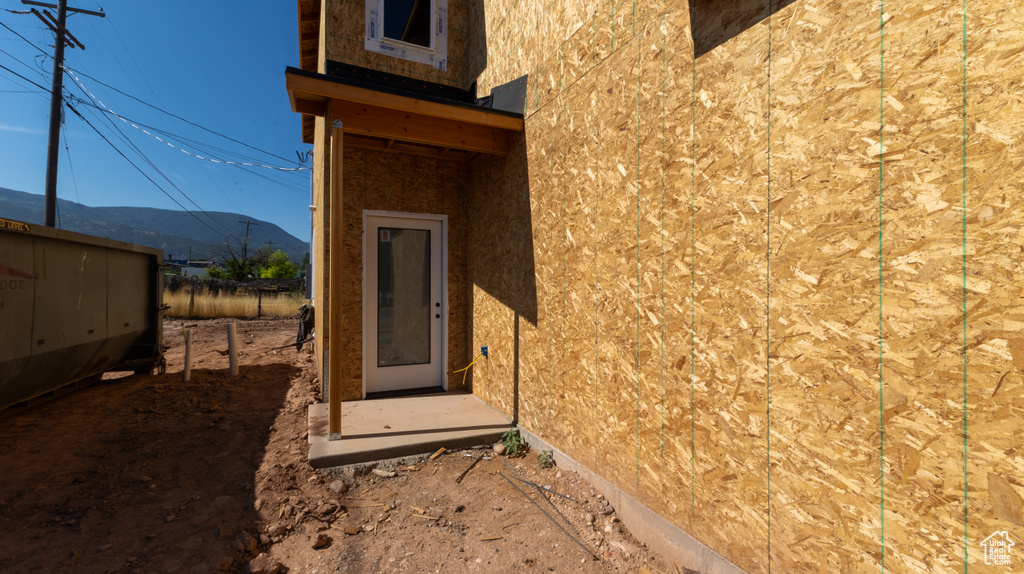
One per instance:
[(216, 64)]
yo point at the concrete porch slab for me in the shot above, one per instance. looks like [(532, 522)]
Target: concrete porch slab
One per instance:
[(394, 427)]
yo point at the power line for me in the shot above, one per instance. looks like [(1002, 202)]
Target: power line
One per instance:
[(13, 57), (24, 78), (146, 159), (144, 174), (30, 42), (204, 128), (247, 166), (74, 180), (101, 106)]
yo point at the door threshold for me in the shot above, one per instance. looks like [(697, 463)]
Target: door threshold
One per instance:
[(405, 392)]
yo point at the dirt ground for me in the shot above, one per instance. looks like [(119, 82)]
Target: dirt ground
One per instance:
[(153, 474)]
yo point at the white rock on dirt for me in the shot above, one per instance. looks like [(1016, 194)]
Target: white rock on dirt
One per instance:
[(339, 486)]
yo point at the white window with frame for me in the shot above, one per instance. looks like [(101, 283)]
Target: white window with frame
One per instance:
[(415, 30)]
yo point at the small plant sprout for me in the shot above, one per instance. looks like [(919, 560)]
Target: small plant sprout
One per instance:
[(514, 445), (546, 459)]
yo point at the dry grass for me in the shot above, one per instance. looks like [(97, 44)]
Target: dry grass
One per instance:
[(213, 306)]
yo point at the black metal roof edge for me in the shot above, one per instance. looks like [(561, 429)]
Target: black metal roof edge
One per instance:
[(400, 82), (386, 90)]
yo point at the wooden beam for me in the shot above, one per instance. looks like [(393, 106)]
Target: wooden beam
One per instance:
[(313, 88), (376, 144), (382, 122), (334, 307), (310, 107)]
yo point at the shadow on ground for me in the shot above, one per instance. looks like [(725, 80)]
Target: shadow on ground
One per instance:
[(141, 474)]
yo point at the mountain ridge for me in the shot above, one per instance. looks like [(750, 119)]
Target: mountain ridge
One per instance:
[(181, 235)]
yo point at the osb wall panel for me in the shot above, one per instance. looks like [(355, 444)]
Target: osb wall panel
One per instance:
[(823, 330), (730, 300), (817, 217), (504, 291), (548, 249), (579, 196), (617, 315), (995, 276), (321, 250), (922, 364), (384, 181), (345, 35), (678, 256), (650, 258)]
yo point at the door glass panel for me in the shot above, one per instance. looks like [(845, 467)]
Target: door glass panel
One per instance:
[(403, 296)]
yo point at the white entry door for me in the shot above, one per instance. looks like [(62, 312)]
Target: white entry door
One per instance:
[(404, 302)]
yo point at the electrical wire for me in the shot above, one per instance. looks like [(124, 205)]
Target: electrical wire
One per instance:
[(29, 42), (465, 370), (209, 148), (71, 168), (144, 174), (127, 141), (24, 78), (107, 109), (13, 57), (204, 128), (145, 158)]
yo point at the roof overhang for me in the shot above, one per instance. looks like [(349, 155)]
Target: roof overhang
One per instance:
[(309, 49), (384, 118)]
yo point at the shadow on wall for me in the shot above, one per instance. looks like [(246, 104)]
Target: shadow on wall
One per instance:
[(475, 50), (715, 22), (501, 258), (501, 231)]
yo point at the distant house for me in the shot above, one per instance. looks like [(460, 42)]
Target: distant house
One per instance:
[(758, 265), (187, 267)]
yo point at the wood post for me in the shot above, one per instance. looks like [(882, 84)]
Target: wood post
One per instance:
[(188, 352), (334, 240)]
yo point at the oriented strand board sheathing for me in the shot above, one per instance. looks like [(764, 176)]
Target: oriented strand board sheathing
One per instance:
[(730, 304), (995, 278), (546, 363), (616, 270), (345, 35), (823, 334), (564, 258), (922, 358), (386, 181), (650, 263), (581, 146), (501, 263), (678, 193), (321, 250)]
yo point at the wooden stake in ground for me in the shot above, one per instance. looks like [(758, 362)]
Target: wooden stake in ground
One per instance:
[(188, 352), (232, 351)]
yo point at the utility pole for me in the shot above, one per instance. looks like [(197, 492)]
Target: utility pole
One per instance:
[(56, 93), (245, 242)]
